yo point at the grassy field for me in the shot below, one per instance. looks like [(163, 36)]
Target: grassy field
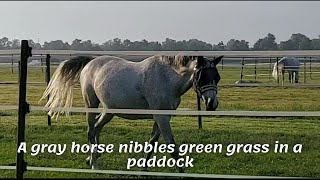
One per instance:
[(216, 130)]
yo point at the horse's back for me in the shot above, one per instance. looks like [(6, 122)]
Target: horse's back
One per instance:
[(90, 70), (291, 61), (121, 84), (104, 64), (116, 82)]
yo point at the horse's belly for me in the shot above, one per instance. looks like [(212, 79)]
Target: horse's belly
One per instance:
[(135, 116), (132, 103), (128, 103)]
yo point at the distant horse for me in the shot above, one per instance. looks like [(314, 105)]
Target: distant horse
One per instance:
[(157, 83), (289, 64)]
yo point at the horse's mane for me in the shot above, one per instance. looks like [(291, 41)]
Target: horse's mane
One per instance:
[(177, 61)]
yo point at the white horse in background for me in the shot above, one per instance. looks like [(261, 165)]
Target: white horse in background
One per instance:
[(289, 64)]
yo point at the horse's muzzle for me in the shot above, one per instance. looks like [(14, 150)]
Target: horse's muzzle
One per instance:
[(212, 106)]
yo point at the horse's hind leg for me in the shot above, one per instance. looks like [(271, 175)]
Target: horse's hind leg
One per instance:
[(290, 77), (104, 119), (154, 138), (91, 119), (296, 76), (90, 101)]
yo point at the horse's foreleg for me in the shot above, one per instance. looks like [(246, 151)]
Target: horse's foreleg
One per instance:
[(163, 122), (104, 119), (154, 138)]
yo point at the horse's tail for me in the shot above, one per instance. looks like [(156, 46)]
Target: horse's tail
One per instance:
[(275, 72), (60, 87)]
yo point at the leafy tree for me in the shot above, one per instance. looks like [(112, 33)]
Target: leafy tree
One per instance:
[(296, 42), (136, 46), (287, 45), (76, 44), (197, 45), (155, 46), (34, 45), (305, 44), (127, 44), (107, 45), (144, 45), (266, 44), (56, 45), (169, 44), (236, 45), (86, 45), (15, 44), (315, 43), (117, 44), (96, 47), (4, 43), (219, 47)]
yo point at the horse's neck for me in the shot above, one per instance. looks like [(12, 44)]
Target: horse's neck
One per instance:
[(184, 80), (180, 78), (184, 84)]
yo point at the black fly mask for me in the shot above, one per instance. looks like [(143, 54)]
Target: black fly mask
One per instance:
[(206, 78)]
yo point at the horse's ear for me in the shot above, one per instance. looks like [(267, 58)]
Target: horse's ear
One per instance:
[(200, 61), (217, 60)]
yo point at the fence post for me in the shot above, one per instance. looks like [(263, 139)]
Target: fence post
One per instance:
[(199, 109), (41, 63), (241, 72), (310, 68), (270, 68), (255, 69), (19, 65), (278, 70), (21, 165), (222, 63), (12, 63), (304, 70), (48, 80)]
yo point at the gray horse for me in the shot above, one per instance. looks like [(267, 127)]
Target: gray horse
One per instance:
[(289, 64), (157, 82)]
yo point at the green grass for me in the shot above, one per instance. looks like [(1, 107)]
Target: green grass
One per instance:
[(224, 130), (215, 130)]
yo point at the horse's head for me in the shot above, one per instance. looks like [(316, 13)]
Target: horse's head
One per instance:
[(205, 81)]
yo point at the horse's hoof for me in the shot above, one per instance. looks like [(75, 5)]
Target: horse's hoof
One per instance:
[(88, 160)]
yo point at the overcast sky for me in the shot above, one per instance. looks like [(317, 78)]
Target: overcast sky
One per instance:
[(154, 21)]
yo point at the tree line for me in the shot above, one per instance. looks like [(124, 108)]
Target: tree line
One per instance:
[(296, 42)]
